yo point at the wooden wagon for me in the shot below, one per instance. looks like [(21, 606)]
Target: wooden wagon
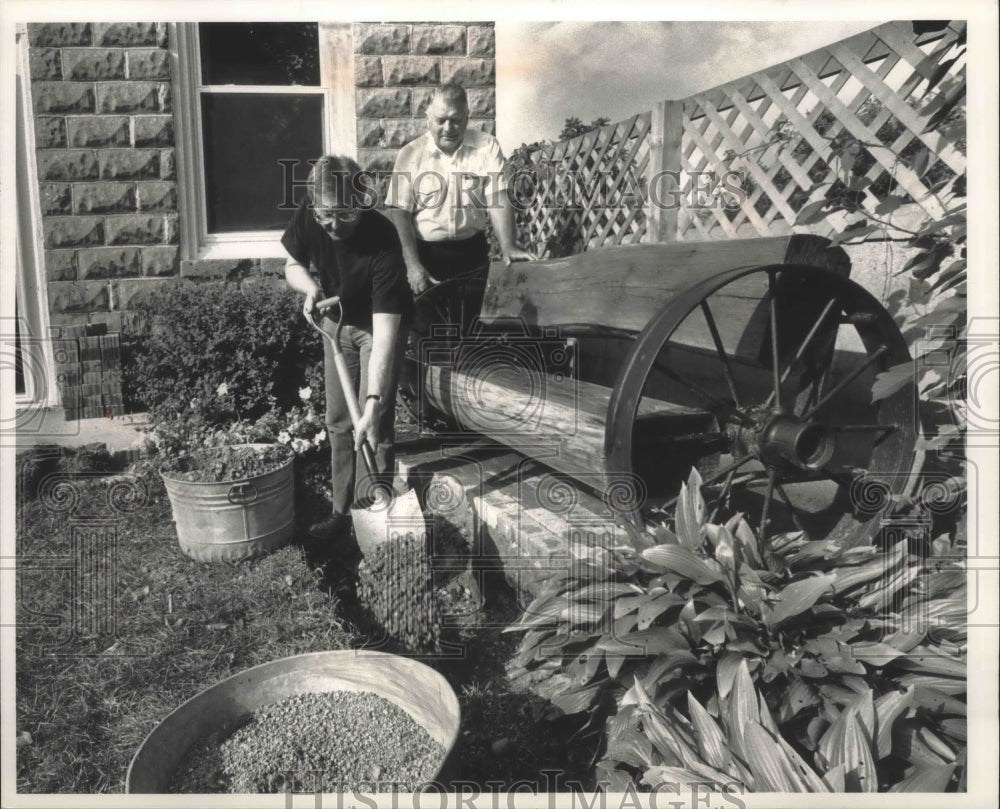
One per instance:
[(624, 367)]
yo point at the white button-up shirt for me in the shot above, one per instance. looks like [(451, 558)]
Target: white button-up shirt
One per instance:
[(447, 194)]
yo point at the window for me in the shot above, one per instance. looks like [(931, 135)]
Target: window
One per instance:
[(251, 98)]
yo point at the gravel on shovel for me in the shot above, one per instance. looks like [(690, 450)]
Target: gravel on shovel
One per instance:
[(341, 741)]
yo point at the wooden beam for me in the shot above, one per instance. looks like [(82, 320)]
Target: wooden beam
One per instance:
[(561, 421)]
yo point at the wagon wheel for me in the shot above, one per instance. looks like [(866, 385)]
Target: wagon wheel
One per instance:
[(444, 316), (790, 435)]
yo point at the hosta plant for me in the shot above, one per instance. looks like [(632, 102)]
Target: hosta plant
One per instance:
[(823, 636)]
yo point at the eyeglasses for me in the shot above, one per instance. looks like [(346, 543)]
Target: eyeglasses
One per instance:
[(326, 217)]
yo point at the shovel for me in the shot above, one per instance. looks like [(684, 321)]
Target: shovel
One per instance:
[(390, 514)]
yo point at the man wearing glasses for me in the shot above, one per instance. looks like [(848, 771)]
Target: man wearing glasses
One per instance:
[(356, 255)]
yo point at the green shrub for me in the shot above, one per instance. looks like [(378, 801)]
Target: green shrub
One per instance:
[(223, 351)]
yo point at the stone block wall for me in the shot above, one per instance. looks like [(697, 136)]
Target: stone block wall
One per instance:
[(104, 139), (396, 68)]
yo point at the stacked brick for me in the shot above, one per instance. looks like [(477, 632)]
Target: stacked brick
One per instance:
[(396, 68), (104, 140), (88, 372)]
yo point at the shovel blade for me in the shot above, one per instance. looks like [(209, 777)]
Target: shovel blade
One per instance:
[(380, 522)]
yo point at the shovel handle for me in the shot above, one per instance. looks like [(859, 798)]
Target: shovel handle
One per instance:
[(344, 376)]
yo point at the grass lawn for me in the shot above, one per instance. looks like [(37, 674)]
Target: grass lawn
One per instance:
[(109, 645)]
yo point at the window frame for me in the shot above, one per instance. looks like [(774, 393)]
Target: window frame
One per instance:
[(336, 55)]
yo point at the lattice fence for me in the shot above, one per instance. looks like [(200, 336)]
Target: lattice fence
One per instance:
[(588, 191), (745, 158)]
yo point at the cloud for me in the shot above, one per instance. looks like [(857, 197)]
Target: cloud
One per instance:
[(548, 72)]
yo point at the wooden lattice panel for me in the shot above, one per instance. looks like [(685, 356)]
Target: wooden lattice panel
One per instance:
[(866, 93), (589, 191), (783, 129)]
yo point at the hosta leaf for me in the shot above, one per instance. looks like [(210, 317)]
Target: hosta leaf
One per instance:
[(834, 779), (606, 590), (926, 779), (531, 644), (664, 663), (947, 685), (805, 773), (711, 741), (877, 654), (583, 667), (956, 727), (540, 612), (741, 707), (848, 741), (922, 659), (628, 604), (913, 742), (880, 597), (583, 614), (613, 780), (725, 672), (630, 747), (682, 561), (671, 777), (797, 597), (689, 515), (888, 707), (772, 770), (653, 608), (658, 640), (577, 700), (847, 579), (800, 696), (766, 720), (938, 702)]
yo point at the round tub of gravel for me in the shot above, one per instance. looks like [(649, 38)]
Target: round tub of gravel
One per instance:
[(352, 720)]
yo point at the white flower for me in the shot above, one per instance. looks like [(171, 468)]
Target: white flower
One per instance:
[(319, 438), (299, 445), (223, 389), (284, 437), (305, 394)]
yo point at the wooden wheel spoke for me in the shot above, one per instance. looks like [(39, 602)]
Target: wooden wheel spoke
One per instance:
[(791, 507), (804, 346), (720, 349), (859, 369), (765, 515), (720, 474), (715, 404), (773, 304)]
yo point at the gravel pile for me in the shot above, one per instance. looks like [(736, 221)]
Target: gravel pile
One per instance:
[(396, 582), (341, 741)]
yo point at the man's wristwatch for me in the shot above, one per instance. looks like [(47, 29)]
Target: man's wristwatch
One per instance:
[(376, 396)]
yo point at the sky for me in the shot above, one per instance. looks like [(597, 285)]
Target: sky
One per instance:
[(550, 71)]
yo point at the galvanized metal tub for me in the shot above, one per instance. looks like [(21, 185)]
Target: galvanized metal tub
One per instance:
[(235, 520), (415, 687)]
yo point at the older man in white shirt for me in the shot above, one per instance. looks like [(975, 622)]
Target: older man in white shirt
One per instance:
[(444, 185)]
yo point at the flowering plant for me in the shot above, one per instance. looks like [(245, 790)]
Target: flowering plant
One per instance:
[(300, 428), (304, 429)]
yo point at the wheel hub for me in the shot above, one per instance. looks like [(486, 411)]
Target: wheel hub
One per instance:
[(779, 438)]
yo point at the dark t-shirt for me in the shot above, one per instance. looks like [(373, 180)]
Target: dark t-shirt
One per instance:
[(366, 269)]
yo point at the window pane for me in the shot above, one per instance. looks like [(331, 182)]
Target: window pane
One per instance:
[(245, 137), (259, 53)]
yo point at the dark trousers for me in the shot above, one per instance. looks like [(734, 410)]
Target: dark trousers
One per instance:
[(461, 301)]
